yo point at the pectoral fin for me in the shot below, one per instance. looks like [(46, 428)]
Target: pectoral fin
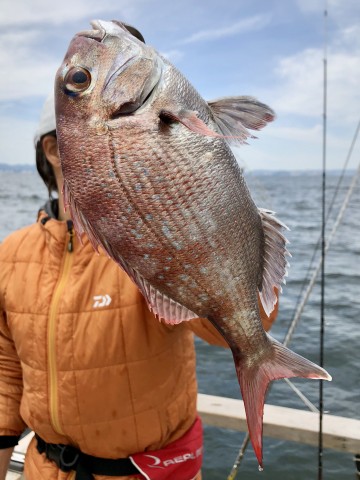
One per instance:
[(235, 115), (232, 115), (190, 119)]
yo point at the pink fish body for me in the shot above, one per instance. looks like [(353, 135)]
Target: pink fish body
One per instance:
[(149, 176)]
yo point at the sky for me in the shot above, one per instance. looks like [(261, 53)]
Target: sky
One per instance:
[(271, 49)]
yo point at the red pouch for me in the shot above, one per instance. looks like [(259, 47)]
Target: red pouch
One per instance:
[(180, 460)]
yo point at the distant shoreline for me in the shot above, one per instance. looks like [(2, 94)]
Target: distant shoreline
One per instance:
[(6, 167)]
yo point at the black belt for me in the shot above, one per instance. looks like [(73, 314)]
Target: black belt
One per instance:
[(69, 458)]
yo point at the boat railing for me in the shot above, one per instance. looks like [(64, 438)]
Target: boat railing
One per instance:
[(339, 433)]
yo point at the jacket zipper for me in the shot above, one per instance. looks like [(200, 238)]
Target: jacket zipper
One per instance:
[(51, 337)]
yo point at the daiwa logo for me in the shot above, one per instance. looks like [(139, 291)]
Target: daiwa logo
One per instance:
[(101, 301), (159, 463)]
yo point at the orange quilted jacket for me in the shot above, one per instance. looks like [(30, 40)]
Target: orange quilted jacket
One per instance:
[(82, 360)]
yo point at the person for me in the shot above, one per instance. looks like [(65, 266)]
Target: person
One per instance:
[(108, 389)]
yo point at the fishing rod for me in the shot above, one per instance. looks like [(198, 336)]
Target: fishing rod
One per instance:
[(320, 266), (306, 280), (301, 306), (308, 291), (323, 251)]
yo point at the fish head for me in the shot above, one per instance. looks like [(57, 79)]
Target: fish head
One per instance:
[(105, 86), (107, 72)]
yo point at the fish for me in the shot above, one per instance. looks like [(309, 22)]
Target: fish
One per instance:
[(150, 177)]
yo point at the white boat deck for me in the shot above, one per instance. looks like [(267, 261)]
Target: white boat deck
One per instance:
[(339, 433)]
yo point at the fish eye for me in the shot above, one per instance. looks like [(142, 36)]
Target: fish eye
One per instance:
[(77, 80)]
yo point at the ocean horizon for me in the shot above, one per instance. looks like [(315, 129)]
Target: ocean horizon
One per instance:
[(295, 196)]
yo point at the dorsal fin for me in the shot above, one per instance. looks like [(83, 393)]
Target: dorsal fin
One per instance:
[(274, 261), (235, 115)]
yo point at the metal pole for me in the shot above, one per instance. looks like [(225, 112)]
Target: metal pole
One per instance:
[(323, 252)]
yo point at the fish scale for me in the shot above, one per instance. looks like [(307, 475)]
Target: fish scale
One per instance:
[(149, 175)]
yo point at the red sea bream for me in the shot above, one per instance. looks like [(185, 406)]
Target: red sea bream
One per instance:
[(150, 177)]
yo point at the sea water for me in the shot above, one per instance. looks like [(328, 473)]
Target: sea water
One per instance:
[(296, 198)]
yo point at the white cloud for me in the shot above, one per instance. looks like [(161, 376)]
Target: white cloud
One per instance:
[(28, 71), (249, 24), (302, 74), (300, 77), (292, 148), (349, 37), (308, 135), (173, 55), (305, 134), (291, 143), (58, 13), (335, 8), (27, 30), (35, 35), (16, 141)]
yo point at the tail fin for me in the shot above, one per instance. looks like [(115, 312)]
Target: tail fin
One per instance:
[(254, 380)]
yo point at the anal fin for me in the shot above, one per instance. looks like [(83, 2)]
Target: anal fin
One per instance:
[(162, 306)]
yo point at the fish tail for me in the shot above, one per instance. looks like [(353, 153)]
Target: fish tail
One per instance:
[(254, 380)]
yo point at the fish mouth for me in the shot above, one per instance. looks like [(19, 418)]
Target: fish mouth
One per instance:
[(103, 28), (96, 35), (100, 30)]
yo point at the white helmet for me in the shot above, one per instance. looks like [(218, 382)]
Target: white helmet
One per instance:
[(47, 122)]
